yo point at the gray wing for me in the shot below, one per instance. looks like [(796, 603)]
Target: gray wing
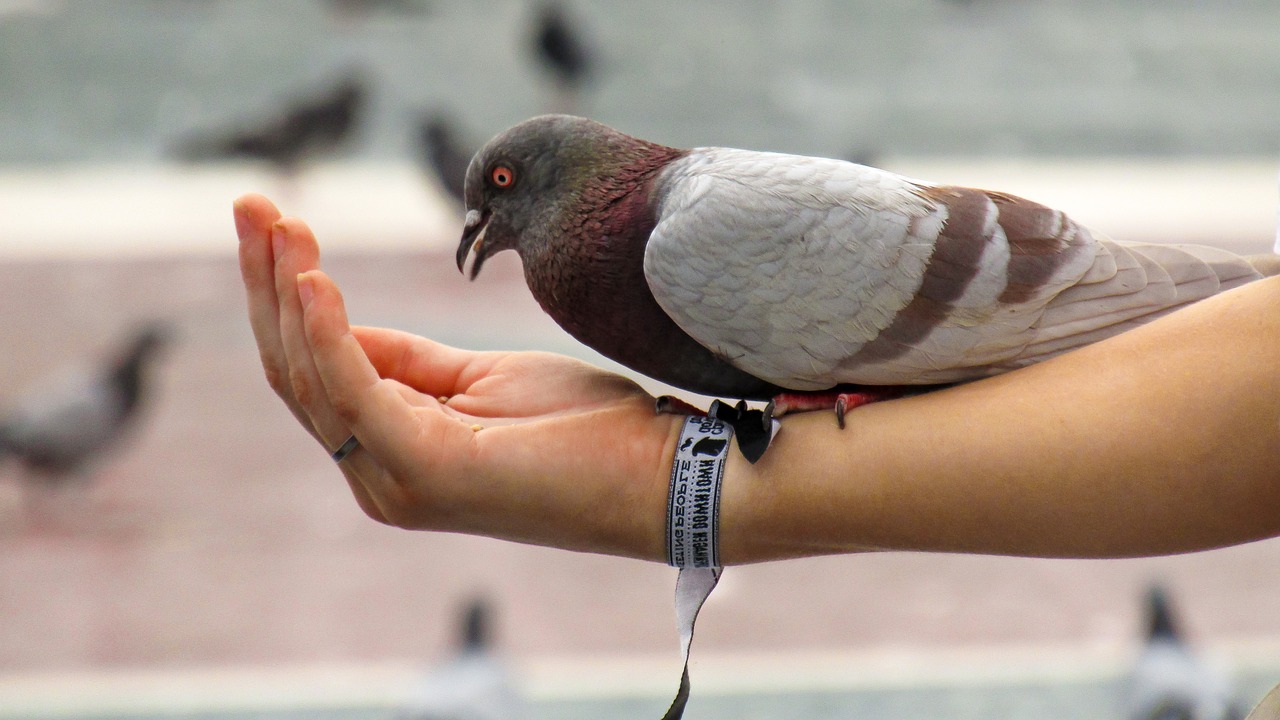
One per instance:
[(808, 272), (784, 265)]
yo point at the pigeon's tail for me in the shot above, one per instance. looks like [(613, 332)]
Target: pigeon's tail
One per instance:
[(1268, 264), (1199, 269), (1161, 624), (1131, 284)]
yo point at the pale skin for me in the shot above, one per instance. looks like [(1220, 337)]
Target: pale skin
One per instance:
[(1162, 440)]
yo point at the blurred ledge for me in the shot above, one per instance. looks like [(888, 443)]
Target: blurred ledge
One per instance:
[(1228, 203), (154, 209), (70, 211), (586, 677)]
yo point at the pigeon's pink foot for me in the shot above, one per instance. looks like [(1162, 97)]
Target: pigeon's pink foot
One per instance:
[(841, 398)]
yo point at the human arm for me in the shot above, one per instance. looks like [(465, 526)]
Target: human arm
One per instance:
[(1111, 450), (1162, 440)]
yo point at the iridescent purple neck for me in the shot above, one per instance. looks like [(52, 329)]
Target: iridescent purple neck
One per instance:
[(587, 272)]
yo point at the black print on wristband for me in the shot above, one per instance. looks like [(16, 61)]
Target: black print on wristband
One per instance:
[(705, 446)]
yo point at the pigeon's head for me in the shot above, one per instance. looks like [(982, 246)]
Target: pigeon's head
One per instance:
[(146, 342), (522, 178), (129, 368)]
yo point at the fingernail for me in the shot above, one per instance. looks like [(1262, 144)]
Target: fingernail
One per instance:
[(242, 219), (277, 240), (306, 290)]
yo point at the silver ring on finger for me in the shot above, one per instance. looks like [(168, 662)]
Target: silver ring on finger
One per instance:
[(345, 449)]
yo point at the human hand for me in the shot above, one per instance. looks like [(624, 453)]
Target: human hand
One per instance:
[(1073, 457), (525, 446)]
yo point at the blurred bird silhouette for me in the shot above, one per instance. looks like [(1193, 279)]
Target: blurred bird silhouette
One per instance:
[(474, 684), (561, 49), (299, 130), (57, 429), (445, 155), (1169, 682)]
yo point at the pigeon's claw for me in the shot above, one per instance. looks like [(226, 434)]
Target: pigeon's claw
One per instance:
[(767, 418), (672, 405), (754, 428)]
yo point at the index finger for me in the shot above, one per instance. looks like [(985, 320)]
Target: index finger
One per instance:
[(378, 415), (427, 366)]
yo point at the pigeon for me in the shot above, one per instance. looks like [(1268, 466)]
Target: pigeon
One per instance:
[(474, 684), (561, 49), (1169, 682), (445, 155), (809, 281), (307, 127), (56, 430)]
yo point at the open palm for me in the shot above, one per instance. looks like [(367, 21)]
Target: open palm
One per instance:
[(488, 443)]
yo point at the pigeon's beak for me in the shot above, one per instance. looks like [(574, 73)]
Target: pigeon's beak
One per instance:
[(472, 238)]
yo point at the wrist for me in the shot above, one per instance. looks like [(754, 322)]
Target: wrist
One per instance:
[(634, 502), (748, 510), (773, 509), (653, 536)]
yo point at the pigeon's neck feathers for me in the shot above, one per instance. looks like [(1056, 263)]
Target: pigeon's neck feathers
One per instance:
[(476, 631), (127, 381), (611, 168), (586, 268), (610, 201), (126, 378), (605, 218), (1161, 624)]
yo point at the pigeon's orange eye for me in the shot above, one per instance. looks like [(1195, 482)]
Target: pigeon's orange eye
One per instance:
[(502, 176)]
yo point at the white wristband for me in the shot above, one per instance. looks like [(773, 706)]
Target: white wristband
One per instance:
[(693, 518), (693, 528)]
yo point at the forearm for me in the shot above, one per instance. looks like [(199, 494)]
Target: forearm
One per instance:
[(1162, 440)]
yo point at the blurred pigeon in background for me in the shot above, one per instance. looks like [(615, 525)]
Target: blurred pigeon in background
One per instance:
[(474, 684), (561, 49), (298, 130), (445, 154), (57, 429), (1169, 682), (811, 281)]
